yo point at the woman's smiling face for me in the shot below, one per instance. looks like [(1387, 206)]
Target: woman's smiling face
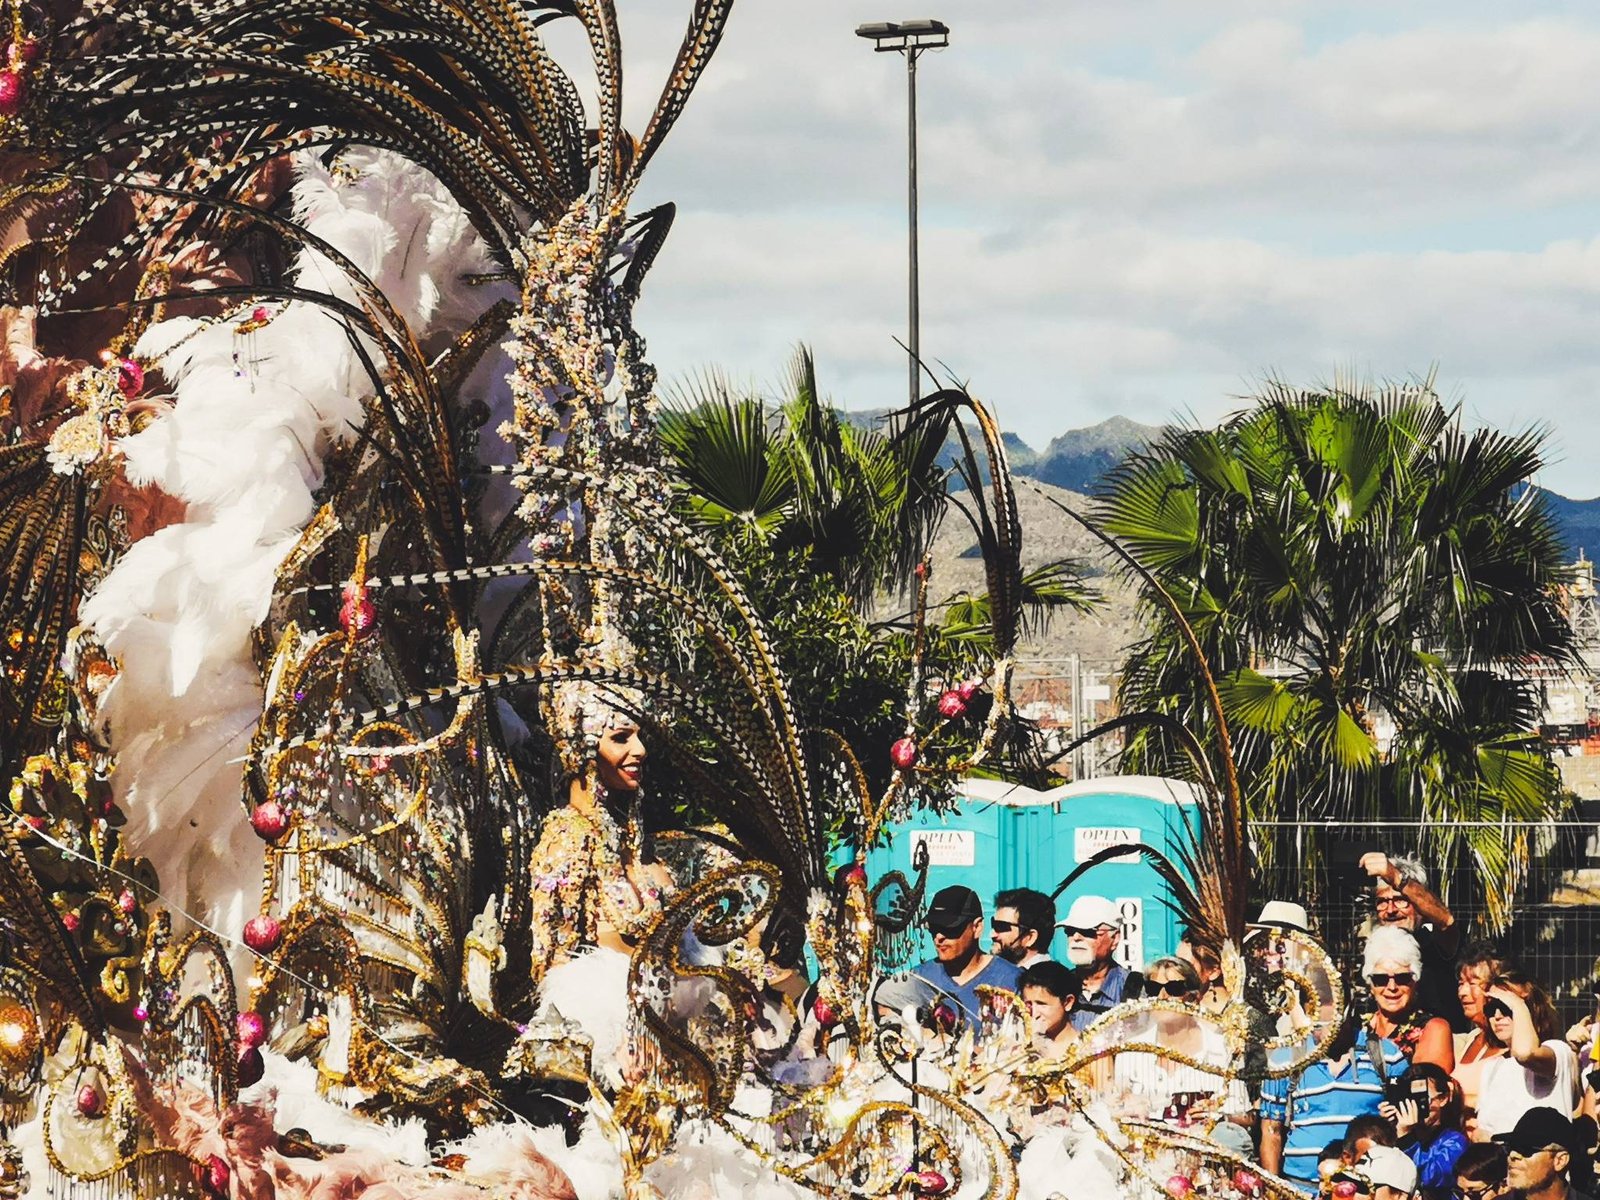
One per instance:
[(620, 759)]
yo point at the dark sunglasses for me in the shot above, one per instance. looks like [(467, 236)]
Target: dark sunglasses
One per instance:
[(1530, 1151), (949, 932), (1401, 978), (1073, 930), (1176, 988), (1002, 926), (1496, 1008)]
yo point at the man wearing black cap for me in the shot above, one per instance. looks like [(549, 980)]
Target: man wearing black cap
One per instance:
[(1543, 1154), (959, 966)]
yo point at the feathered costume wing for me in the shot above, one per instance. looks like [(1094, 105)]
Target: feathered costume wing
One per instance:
[(428, 604)]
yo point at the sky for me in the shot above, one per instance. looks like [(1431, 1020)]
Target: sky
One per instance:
[(1144, 207)]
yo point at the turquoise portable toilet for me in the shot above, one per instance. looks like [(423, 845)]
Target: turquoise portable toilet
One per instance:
[(1001, 835)]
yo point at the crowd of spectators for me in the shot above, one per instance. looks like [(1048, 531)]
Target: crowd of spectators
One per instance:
[(1449, 1077)]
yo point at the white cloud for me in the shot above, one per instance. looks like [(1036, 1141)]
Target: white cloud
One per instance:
[(1147, 206)]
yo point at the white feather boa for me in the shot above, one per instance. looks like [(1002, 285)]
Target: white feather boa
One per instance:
[(244, 445)]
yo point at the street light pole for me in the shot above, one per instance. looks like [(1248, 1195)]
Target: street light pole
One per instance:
[(910, 38), (914, 298)]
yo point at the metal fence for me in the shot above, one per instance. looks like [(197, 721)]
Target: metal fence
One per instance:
[(1554, 935)]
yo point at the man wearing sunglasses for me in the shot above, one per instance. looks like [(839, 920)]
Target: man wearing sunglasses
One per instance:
[(1542, 1152), (1093, 931), (1022, 925), (959, 966), (1401, 897)]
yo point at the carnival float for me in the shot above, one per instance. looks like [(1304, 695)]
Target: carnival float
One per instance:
[(343, 597)]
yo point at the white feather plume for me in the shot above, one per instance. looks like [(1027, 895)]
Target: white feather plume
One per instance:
[(243, 446)]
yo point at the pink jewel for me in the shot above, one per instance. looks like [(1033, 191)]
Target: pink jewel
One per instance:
[(952, 706), (69, 922), (13, 93), (127, 901), (270, 820), (130, 377), (141, 1014), (358, 615), (260, 313), (903, 754), (214, 1175), (251, 1028), (262, 934), (90, 1102)]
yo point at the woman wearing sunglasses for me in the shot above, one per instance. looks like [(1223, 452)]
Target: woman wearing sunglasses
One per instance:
[(1539, 1070), (1392, 967), (1171, 1088)]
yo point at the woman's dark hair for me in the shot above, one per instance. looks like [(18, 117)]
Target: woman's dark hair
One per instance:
[(1061, 982), (1439, 1080), (1545, 1021), (1482, 1162)]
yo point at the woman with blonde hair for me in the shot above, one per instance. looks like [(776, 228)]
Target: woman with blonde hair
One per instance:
[(1539, 1069)]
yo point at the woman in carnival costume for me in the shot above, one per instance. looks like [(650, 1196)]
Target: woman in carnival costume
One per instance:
[(594, 883)]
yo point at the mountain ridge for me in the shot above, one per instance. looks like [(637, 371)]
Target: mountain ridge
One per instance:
[(1078, 460)]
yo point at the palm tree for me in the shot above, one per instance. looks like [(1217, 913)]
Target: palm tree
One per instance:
[(863, 502), (822, 516), (1368, 582)]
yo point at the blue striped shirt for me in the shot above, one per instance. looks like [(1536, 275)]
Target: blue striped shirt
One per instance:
[(1316, 1105)]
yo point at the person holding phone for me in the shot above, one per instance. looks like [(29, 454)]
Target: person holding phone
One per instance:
[(1425, 1106)]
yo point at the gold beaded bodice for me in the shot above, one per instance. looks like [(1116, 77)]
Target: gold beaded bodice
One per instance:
[(587, 877)]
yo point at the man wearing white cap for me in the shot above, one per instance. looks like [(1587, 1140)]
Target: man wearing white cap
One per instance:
[(1390, 1171), (1093, 931)]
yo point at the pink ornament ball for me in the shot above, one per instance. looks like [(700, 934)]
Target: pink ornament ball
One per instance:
[(127, 901), (951, 705), (1179, 1186), (932, 1183), (69, 922), (903, 754), (130, 378), (1247, 1181), (968, 688), (270, 820), (262, 934), (823, 1012), (358, 614), (251, 1067), (90, 1102), (214, 1175), (1345, 1189), (855, 875), (141, 1014), (251, 1028), (13, 93)]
